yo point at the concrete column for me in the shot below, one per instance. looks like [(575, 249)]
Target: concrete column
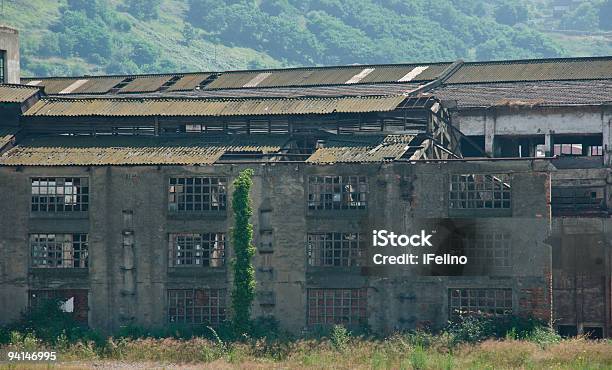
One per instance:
[(489, 134), (548, 144), (606, 130)]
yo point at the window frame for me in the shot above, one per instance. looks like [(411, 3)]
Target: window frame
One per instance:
[(75, 197), (463, 194), (173, 256), (59, 249), (177, 187), (351, 300), (322, 251), (337, 192), (219, 306), (474, 298)]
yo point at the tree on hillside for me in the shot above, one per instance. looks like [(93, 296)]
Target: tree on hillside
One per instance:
[(143, 9), (605, 16), (511, 13), (243, 293), (583, 18)]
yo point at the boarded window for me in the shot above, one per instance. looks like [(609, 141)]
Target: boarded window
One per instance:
[(73, 301), (59, 250), (60, 194), (197, 194), (197, 306), (337, 192), (337, 307), (205, 249), (479, 301), (578, 200), (480, 191), (334, 249)]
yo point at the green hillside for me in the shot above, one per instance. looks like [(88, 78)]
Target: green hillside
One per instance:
[(73, 37)]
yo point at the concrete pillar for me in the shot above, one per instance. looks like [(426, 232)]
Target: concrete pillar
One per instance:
[(489, 134), (548, 144), (606, 129)]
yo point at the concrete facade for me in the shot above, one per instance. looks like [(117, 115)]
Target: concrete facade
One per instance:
[(128, 283)]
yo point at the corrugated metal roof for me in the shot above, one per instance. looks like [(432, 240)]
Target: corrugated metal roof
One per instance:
[(16, 93), (210, 107), (113, 150), (534, 70), (51, 85), (97, 85), (372, 148), (541, 93), (189, 81), (324, 76), (145, 84), (6, 135)]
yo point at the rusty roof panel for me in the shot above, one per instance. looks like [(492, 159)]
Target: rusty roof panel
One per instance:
[(231, 80), (189, 81), (210, 107), (113, 150), (97, 85), (534, 70), (541, 93), (6, 135), (16, 93), (52, 85), (145, 84), (366, 148)]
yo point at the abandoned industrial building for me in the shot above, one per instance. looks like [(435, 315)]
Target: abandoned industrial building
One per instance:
[(116, 192)]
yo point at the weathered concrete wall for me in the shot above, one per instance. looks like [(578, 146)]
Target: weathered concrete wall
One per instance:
[(128, 224), (9, 42)]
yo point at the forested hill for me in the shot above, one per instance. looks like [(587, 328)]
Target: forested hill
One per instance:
[(73, 37)]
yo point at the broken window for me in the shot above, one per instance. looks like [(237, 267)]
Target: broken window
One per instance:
[(578, 200), (60, 194), (487, 249), (479, 301), (196, 194), (73, 301), (59, 250), (337, 307), (205, 249), (337, 192), (197, 306), (480, 191), (334, 249)]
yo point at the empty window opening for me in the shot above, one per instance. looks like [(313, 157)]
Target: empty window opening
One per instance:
[(479, 301), (60, 194), (169, 83), (206, 249), (596, 150), (197, 306), (593, 332), (2, 66), (480, 191), (196, 194), (578, 200), (334, 249), (74, 301), (337, 307), (567, 149), (59, 250), (567, 331), (337, 192)]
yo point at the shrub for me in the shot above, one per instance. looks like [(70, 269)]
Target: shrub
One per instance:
[(339, 337)]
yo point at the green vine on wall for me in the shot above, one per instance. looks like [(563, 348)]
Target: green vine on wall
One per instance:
[(242, 238)]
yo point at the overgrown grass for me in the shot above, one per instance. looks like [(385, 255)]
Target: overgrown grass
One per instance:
[(401, 351), (472, 343)]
